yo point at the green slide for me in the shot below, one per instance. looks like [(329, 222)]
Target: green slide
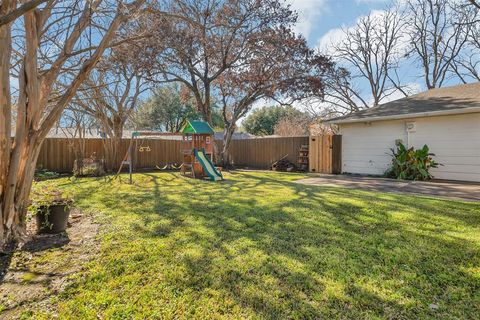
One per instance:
[(207, 165)]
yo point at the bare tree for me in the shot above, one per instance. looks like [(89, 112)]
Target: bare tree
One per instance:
[(110, 95), (370, 53), (291, 125), (437, 35), (475, 3), (342, 95), (51, 48), (76, 127), (466, 65), (9, 11)]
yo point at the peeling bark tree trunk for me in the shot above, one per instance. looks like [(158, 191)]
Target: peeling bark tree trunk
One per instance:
[(5, 103), (34, 119)]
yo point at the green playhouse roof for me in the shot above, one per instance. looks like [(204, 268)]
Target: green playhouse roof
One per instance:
[(197, 127)]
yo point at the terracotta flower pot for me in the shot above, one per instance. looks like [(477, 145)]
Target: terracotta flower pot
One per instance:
[(52, 218)]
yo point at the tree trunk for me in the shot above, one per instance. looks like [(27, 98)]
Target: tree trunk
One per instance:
[(113, 137), (113, 142), (208, 115), (207, 111), (117, 140), (20, 178), (78, 146), (227, 138), (5, 105), (34, 119)]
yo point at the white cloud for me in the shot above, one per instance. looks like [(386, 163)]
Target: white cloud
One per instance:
[(333, 36), (309, 11)]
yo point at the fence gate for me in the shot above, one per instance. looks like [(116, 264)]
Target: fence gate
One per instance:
[(325, 154)]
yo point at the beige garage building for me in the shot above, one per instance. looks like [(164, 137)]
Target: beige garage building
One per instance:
[(445, 119)]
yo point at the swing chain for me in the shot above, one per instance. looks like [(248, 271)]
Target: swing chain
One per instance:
[(142, 148)]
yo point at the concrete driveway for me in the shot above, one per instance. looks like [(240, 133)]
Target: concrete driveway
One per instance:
[(443, 189)]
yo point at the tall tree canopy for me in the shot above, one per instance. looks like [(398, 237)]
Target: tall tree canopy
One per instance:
[(110, 95), (262, 121), (235, 52), (165, 110), (438, 32), (369, 53), (280, 67), (205, 40)]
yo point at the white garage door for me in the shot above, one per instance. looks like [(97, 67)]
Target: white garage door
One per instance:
[(455, 140)]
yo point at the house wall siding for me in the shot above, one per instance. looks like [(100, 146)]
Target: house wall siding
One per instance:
[(454, 139)]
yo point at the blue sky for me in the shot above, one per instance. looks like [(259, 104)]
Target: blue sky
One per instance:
[(318, 17), (321, 23), (321, 20)]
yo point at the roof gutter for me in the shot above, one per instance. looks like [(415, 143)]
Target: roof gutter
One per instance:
[(407, 116)]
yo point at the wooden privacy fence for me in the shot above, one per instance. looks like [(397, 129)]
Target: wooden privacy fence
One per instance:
[(262, 152), (325, 154), (57, 154)]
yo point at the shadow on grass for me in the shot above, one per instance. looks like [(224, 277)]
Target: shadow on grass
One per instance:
[(45, 242), (5, 260), (36, 244), (284, 250)]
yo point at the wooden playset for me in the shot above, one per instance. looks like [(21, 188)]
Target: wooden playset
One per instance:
[(198, 151)]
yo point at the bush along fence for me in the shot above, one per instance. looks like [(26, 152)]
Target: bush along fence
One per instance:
[(58, 154)]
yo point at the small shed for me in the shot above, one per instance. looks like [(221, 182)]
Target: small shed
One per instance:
[(445, 119)]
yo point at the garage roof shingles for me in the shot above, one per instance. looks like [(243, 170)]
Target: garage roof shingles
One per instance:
[(460, 97)]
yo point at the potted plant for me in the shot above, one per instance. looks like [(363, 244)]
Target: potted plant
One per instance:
[(51, 208)]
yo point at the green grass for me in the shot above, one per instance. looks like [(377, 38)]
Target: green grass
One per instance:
[(259, 245)]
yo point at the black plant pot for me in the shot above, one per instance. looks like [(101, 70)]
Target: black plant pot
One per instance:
[(53, 218)]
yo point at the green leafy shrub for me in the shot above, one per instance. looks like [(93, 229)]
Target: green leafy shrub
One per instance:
[(411, 164), (44, 174), (48, 195)]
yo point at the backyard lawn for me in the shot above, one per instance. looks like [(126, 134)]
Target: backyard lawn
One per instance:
[(259, 245)]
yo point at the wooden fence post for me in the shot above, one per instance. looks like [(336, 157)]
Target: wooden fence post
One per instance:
[(337, 154)]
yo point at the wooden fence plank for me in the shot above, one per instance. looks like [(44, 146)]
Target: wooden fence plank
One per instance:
[(58, 155), (325, 154)]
